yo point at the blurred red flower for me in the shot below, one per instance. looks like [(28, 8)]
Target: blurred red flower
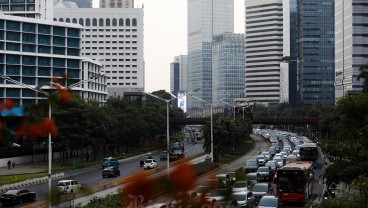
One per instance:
[(9, 104), (183, 177), (140, 188)]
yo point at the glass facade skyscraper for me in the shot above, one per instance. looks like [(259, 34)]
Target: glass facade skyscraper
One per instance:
[(228, 67), (206, 18), (316, 51)]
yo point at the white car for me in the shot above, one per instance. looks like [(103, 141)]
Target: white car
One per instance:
[(68, 186), (150, 163)]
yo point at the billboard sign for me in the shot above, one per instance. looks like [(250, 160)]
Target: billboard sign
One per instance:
[(182, 101)]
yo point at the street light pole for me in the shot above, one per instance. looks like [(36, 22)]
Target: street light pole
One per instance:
[(168, 138), (211, 134), (38, 89), (50, 158), (167, 125)]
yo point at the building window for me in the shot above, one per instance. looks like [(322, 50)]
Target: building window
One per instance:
[(17, 8), (75, 20), (28, 27), (61, 20), (94, 22), (88, 22), (81, 21), (67, 20), (15, 26), (114, 22), (121, 22), (134, 22), (107, 22), (101, 22), (127, 22), (44, 29)]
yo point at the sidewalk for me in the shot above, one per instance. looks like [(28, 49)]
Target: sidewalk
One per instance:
[(41, 167)]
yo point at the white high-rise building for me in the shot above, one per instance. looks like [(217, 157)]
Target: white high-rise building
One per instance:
[(351, 48), (39, 9), (206, 18), (113, 37), (264, 50), (116, 3)]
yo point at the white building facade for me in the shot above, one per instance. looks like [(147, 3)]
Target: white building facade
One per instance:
[(264, 50), (351, 48), (39, 9), (113, 37), (116, 3)]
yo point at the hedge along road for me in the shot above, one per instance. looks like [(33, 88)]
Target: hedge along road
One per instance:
[(92, 177)]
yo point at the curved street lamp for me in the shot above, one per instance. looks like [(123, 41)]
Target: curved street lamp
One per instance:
[(167, 124), (38, 89)]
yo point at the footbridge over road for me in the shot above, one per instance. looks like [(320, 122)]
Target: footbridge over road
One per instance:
[(261, 120)]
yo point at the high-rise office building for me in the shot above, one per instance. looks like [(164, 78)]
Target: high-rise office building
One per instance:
[(39, 9), (116, 3), (206, 18), (33, 51), (316, 51), (351, 48), (289, 66), (179, 74), (228, 67), (83, 3), (113, 37), (264, 50)]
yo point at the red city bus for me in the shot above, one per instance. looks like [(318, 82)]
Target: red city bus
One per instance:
[(294, 182)]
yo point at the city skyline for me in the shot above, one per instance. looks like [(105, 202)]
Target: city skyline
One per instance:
[(171, 26)]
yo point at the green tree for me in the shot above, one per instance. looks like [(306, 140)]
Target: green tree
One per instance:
[(364, 75), (350, 145)]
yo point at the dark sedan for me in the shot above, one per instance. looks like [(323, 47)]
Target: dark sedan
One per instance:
[(17, 196), (261, 189), (110, 172)]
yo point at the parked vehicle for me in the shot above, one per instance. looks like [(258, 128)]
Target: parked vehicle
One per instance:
[(109, 162), (17, 196), (150, 163), (110, 172), (68, 186)]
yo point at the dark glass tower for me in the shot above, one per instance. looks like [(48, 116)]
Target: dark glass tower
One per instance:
[(316, 48)]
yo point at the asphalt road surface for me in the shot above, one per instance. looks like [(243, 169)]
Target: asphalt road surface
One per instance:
[(91, 177)]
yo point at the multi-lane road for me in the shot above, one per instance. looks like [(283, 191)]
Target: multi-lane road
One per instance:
[(92, 176)]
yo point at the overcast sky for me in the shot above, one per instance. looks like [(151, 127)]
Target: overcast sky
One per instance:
[(165, 36)]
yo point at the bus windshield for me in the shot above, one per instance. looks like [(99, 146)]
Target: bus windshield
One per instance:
[(308, 153), (290, 181)]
